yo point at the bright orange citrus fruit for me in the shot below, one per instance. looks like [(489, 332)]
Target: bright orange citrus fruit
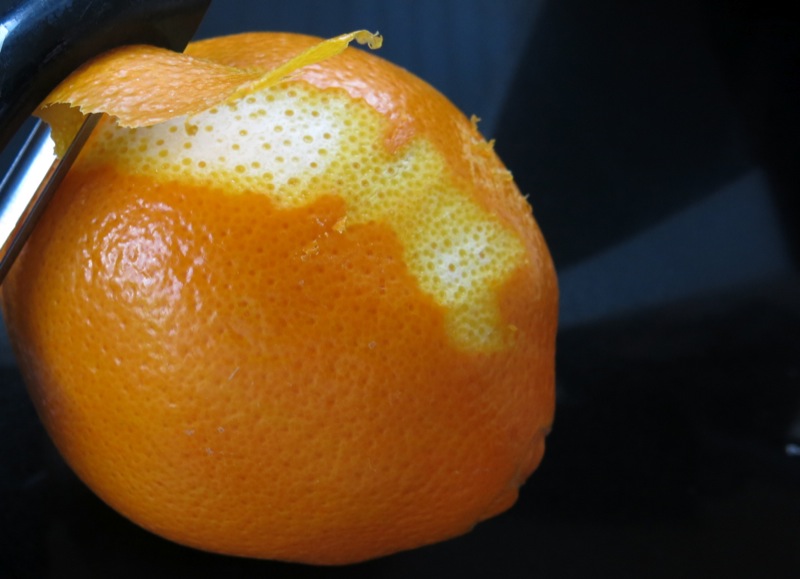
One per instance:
[(312, 321)]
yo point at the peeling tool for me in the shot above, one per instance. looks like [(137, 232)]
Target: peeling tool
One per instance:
[(41, 43)]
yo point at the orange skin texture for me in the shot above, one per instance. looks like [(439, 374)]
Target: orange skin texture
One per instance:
[(220, 385)]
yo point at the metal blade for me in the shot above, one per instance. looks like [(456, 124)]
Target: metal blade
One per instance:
[(30, 184)]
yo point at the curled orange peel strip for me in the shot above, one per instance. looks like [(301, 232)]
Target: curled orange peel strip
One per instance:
[(142, 85)]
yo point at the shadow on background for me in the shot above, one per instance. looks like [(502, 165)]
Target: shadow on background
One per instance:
[(623, 113)]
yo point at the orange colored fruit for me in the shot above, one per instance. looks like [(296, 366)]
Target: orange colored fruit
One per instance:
[(312, 319)]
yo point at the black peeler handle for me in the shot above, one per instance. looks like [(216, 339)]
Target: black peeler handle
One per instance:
[(43, 41)]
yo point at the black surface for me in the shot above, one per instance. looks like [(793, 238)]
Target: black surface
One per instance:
[(676, 448), (625, 112)]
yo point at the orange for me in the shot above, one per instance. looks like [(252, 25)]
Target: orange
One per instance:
[(311, 319)]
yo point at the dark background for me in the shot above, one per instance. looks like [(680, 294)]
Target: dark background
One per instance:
[(659, 142)]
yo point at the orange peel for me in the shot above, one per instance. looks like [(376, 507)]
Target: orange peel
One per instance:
[(142, 86)]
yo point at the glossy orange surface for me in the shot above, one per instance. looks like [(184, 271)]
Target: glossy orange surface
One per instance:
[(268, 362)]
